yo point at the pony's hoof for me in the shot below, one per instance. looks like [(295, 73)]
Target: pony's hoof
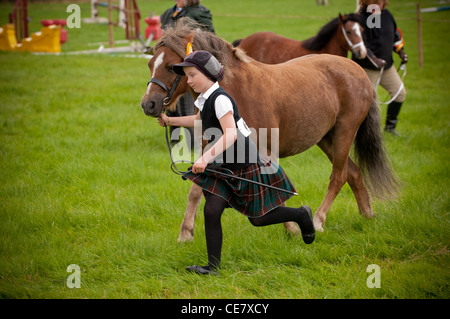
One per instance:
[(318, 228), (292, 228), (318, 225), (185, 238), (370, 215)]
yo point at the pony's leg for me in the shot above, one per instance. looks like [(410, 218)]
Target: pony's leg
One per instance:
[(292, 228), (187, 226), (337, 180), (337, 151), (356, 183), (354, 179)]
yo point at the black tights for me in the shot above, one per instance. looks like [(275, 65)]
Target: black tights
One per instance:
[(214, 207)]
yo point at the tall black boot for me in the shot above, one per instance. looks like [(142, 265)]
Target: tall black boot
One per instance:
[(393, 110)]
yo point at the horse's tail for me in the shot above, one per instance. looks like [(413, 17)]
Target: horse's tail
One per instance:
[(372, 157), (236, 43)]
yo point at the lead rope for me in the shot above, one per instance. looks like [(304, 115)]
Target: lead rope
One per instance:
[(403, 68), (173, 166)]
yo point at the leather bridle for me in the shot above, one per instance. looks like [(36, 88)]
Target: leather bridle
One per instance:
[(170, 91)]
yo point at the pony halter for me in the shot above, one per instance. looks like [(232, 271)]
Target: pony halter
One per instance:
[(350, 44), (170, 92)]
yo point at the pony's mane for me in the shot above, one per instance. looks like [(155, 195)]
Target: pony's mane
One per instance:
[(318, 41), (173, 38)]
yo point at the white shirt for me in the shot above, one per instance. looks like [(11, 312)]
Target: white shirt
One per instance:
[(222, 104)]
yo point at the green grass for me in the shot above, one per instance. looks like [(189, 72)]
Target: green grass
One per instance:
[(85, 180)]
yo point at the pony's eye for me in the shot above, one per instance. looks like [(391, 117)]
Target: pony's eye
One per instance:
[(170, 68)]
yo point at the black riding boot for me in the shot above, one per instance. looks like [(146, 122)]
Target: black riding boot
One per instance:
[(393, 110)]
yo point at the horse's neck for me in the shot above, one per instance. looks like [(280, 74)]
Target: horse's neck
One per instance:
[(334, 46), (237, 76), (248, 87)]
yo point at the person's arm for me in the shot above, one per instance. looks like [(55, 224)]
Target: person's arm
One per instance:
[(225, 141), (399, 44), (184, 121), (377, 62)]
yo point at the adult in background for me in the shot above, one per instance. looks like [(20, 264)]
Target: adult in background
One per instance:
[(381, 39), (190, 9), (197, 12)]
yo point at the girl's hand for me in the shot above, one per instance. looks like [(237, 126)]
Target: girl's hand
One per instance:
[(199, 166), (163, 120)]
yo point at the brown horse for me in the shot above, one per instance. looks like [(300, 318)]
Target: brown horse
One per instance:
[(337, 37), (322, 100)]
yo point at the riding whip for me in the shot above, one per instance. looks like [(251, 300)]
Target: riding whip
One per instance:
[(229, 173)]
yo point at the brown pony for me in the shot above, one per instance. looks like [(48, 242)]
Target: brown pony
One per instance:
[(337, 37), (322, 100)]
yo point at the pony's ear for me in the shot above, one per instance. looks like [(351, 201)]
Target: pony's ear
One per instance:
[(341, 17), (149, 50)]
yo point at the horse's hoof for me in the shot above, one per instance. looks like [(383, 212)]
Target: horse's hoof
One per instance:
[(185, 238), (370, 215), (292, 228), (318, 226)]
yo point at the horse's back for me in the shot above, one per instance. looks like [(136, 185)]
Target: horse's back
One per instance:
[(265, 47), (340, 82), (316, 92), (260, 39), (326, 60), (308, 94), (346, 72), (321, 79)]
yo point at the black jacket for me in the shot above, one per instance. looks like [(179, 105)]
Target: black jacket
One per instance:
[(379, 40), (197, 13)]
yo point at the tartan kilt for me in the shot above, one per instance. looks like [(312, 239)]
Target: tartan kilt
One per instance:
[(249, 199)]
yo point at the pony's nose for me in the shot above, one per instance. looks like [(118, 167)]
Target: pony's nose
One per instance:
[(363, 53), (360, 53), (148, 107)]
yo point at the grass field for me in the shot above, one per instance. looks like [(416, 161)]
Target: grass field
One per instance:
[(85, 178)]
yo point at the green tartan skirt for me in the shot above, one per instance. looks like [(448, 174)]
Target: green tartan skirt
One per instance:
[(249, 199)]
